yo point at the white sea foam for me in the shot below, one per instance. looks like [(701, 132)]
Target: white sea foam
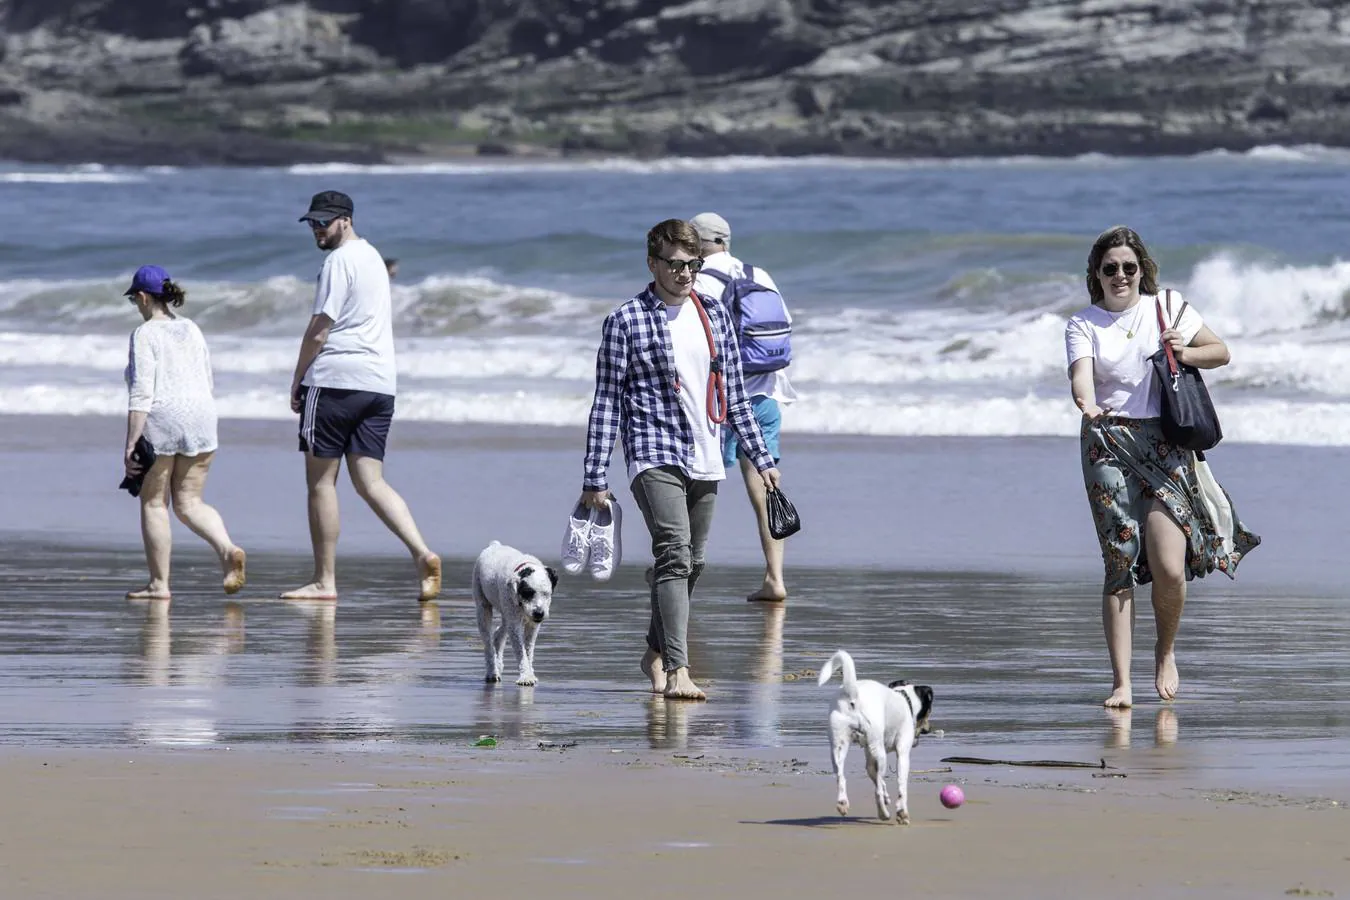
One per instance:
[(895, 415)]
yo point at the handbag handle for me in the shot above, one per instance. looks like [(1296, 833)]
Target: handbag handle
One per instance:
[(1167, 347)]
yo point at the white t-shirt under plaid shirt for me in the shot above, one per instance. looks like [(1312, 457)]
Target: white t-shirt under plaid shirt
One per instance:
[(636, 396)]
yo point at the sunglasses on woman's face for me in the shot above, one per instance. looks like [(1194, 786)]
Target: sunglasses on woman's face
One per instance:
[(1109, 270), (677, 266)]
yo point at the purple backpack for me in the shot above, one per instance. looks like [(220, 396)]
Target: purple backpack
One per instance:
[(762, 325)]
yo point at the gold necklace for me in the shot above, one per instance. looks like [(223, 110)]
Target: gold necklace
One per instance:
[(1129, 332)]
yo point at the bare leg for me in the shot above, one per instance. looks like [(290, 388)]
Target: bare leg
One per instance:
[(1118, 622), (773, 589), (367, 476), (156, 532), (1167, 558), (186, 486), (324, 525)]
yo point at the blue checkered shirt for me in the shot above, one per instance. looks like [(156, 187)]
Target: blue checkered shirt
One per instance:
[(636, 397)]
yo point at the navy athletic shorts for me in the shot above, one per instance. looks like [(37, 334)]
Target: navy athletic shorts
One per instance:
[(335, 422)]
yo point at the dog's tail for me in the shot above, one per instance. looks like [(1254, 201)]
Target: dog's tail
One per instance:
[(850, 674)]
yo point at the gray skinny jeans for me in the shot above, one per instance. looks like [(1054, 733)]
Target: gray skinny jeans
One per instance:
[(679, 511)]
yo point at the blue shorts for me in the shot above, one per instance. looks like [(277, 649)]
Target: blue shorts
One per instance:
[(770, 419), (335, 422)]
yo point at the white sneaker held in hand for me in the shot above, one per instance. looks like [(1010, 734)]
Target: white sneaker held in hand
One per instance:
[(576, 546), (606, 540)]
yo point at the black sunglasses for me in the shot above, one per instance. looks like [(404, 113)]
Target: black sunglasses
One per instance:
[(679, 265), (1131, 269)]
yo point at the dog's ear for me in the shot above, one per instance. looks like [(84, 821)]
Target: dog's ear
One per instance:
[(925, 694), (524, 573), (552, 576), (897, 684)]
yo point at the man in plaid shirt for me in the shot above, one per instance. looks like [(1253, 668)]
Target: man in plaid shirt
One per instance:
[(667, 374)]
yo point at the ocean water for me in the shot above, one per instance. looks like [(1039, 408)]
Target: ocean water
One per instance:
[(930, 296)]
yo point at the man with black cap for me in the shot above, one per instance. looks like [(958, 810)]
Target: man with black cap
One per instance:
[(344, 389)]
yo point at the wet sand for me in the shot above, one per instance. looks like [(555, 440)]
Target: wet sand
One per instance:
[(590, 823)]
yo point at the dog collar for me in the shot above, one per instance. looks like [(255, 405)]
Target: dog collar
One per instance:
[(910, 703), (524, 565)]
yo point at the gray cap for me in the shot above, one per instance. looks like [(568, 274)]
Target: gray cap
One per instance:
[(711, 228)]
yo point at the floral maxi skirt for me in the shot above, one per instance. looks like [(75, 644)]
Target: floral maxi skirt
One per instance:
[(1127, 464)]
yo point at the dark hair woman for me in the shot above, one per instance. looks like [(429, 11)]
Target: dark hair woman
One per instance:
[(1148, 496)]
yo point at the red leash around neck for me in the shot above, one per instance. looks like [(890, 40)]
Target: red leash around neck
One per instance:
[(717, 383)]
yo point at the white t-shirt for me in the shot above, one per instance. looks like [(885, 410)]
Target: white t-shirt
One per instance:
[(169, 377), (689, 345), (353, 291), (1121, 369), (762, 384)]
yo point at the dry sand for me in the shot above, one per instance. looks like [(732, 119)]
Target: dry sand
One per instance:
[(261, 823)]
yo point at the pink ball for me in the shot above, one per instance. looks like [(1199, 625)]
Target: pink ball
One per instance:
[(952, 796)]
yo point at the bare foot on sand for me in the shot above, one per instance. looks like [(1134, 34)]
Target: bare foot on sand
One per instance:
[(233, 564), (679, 686), (429, 570), (651, 667), (151, 591), (770, 592), (1167, 680), (1121, 698), (312, 591)]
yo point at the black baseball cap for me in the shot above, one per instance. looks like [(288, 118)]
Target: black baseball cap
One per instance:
[(328, 205)]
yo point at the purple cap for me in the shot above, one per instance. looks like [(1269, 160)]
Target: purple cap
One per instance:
[(149, 279)]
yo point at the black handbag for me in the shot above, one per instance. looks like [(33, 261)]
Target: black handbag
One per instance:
[(783, 519), (1188, 417)]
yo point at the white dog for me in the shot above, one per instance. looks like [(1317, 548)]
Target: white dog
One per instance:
[(520, 589), (881, 719)]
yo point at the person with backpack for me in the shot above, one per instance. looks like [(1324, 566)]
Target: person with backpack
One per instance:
[(764, 333)]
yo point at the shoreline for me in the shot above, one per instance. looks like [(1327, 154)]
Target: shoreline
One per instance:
[(980, 504)]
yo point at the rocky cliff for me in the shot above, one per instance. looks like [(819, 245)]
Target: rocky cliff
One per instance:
[(249, 81)]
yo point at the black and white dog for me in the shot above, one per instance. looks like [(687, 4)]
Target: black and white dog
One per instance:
[(882, 719), (519, 588)]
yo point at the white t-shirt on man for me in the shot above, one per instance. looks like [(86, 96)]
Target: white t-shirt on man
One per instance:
[(354, 292), (1121, 370), (693, 361)]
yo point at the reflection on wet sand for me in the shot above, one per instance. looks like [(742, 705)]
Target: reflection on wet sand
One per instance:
[(179, 714), (319, 665), (766, 686), (1166, 727), (668, 722)]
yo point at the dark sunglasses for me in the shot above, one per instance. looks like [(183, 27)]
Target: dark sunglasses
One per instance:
[(1131, 269), (679, 265)]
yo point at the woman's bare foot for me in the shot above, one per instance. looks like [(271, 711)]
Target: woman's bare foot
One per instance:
[(679, 686), (311, 591), (233, 564), (429, 570), (1121, 697), (151, 591), (1167, 680), (770, 592), (651, 667)]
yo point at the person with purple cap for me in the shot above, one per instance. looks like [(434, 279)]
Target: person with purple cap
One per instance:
[(343, 389), (172, 408)]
